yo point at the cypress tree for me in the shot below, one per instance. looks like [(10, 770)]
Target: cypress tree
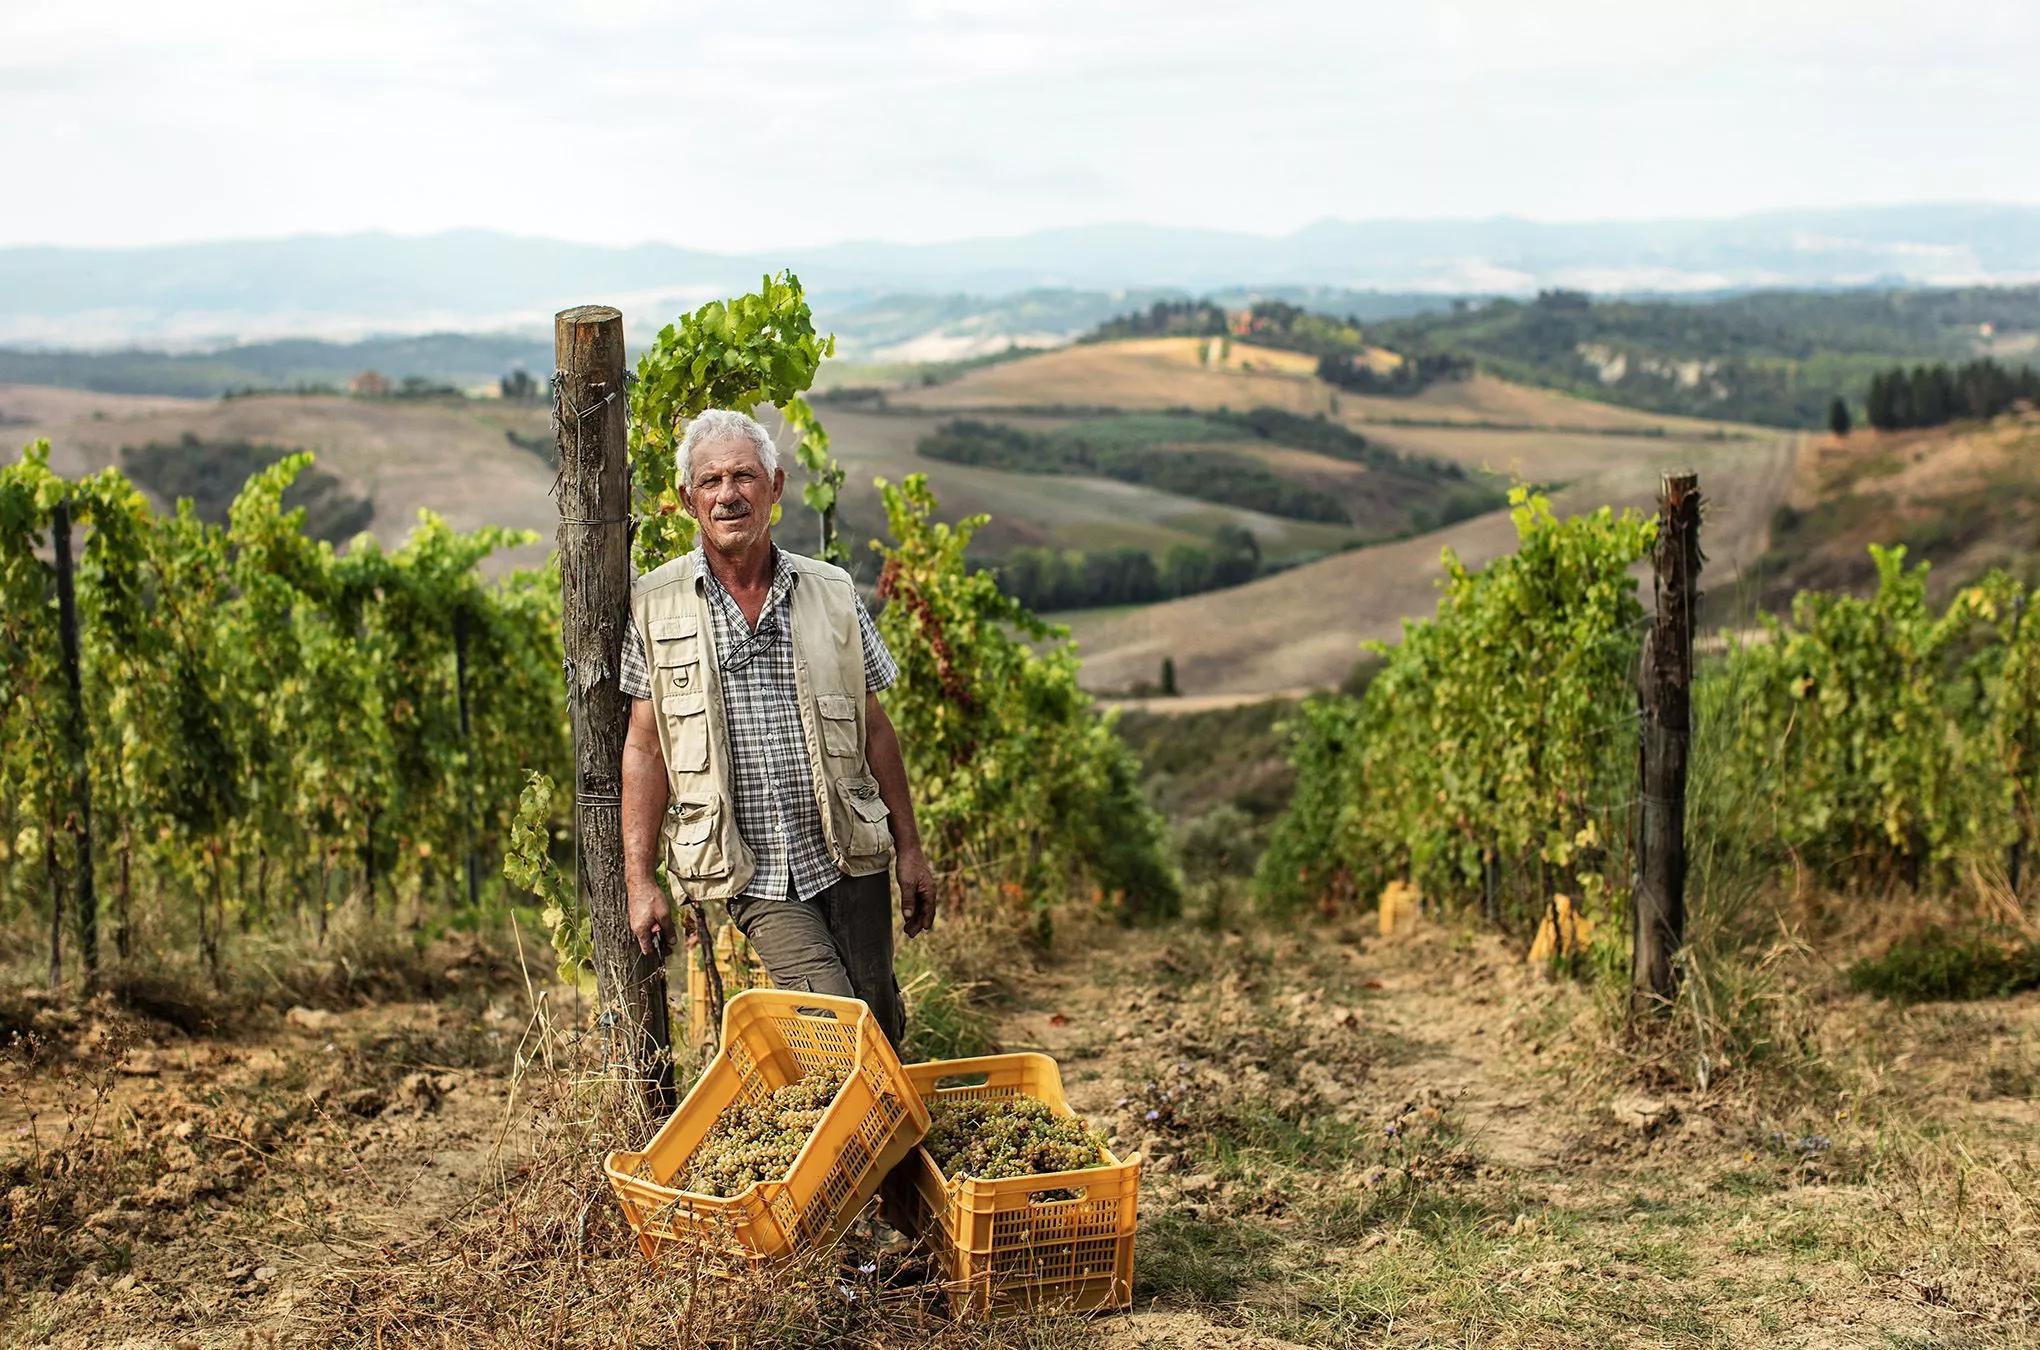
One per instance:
[(1900, 391), (1838, 416), (1877, 403)]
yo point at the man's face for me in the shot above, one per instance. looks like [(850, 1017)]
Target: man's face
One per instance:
[(730, 493)]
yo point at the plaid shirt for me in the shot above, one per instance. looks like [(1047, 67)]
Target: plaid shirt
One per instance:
[(775, 795)]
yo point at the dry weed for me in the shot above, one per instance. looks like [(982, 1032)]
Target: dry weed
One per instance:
[(81, 1158), (543, 1256)]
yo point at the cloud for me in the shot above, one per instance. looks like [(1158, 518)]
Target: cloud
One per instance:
[(738, 126)]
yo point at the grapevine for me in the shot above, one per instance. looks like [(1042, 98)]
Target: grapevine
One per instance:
[(1018, 781), (1878, 737), (737, 353), (1493, 731), (270, 727), (754, 1142)]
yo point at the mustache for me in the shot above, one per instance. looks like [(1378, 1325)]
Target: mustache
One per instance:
[(733, 511)]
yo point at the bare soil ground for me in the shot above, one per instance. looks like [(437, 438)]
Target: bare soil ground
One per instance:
[(1348, 1140)]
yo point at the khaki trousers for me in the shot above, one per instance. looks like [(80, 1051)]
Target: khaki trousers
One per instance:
[(840, 942)]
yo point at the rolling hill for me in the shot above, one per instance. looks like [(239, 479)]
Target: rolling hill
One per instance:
[(447, 455), (1295, 629), (1770, 357), (1162, 373), (1302, 629), (1965, 498)]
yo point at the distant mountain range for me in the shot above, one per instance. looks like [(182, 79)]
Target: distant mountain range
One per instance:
[(477, 281)]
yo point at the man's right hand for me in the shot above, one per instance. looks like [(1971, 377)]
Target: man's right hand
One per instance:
[(644, 810), (651, 917)]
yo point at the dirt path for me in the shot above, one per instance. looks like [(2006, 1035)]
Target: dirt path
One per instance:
[(1417, 1043), (1412, 1141)]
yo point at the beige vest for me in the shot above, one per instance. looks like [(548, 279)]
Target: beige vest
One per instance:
[(704, 852)]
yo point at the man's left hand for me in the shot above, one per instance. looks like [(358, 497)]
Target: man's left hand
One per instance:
[(917, 892)]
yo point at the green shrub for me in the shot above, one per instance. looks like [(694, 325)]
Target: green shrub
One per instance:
[(1018, 780), (1936, 964)]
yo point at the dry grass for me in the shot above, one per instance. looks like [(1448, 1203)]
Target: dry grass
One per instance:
[(544, 1257), (392, 1173), (1965, 498), (1428, 1142)]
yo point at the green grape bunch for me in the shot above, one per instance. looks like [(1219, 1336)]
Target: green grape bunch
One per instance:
[(752, 1142), (996, 1137)]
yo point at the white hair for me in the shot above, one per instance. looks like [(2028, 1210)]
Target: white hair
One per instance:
[(723, 424)]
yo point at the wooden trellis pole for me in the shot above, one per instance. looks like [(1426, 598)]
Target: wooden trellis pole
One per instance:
[(591, 415), (1664, 696), (75, 758)]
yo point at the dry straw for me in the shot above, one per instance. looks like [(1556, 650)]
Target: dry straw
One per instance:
[(541, 1256)]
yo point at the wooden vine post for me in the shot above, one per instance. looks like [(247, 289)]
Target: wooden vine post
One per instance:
[(591, 417), (75, 765), (1664, 695), (467, 745)]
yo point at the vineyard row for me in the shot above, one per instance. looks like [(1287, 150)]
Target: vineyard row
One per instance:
[(1493, 761), (248, 725)]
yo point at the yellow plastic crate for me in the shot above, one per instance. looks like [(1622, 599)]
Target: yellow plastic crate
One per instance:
[(772, 1038), (1002, 1247), (741, 969)]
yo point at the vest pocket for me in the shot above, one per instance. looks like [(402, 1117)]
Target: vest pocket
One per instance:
[(686, 731), (675, 626), (694, 839), (677, 642), (839, 725), (870, 835)]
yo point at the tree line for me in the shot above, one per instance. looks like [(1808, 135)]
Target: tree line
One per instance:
[(1220, 476), (1054, 579), (1417, 372), (1339, 344), (1932, 396), (1164, 318)]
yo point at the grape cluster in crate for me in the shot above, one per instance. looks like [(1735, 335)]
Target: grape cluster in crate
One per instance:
[(750, 1143)]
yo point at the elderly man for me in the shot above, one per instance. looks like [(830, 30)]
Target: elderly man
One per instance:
[(758, 752)]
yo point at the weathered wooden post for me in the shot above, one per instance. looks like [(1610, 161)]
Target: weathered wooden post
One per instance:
[(2016, 853), (590, 413), (75, 754), (467, 744), (1664, 696)]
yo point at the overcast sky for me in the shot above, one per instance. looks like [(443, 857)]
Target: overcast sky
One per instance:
[(738, 126)]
